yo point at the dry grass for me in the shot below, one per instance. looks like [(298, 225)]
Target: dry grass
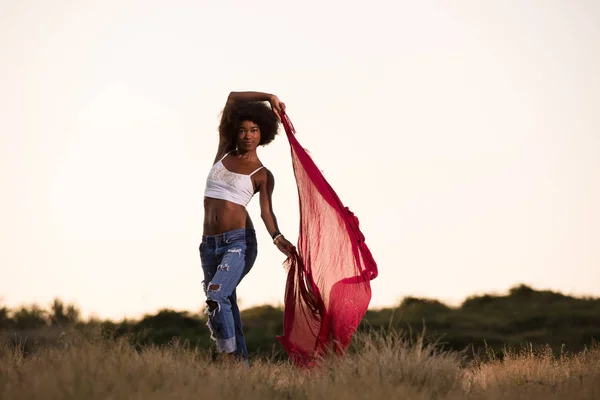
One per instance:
[(537, 375), (384, 365)]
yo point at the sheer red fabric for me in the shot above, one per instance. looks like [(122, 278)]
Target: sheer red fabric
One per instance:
[(328, 285)]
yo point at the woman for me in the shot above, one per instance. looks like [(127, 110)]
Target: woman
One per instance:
[(228, 249)]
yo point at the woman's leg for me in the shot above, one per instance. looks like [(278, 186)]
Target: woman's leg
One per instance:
[(238, 257), (209, 260), (241, 350)]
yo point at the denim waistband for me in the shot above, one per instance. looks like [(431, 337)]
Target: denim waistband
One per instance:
[(242, 234)]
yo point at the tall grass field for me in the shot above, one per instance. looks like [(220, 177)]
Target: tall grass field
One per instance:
[(380, 366)]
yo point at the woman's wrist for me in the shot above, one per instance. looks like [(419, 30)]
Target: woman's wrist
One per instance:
[(277, 237)]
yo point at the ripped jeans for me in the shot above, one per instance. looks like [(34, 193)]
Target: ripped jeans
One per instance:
[(226, 258)]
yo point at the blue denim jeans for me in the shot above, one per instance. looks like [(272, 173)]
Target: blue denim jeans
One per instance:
[(226, 259)]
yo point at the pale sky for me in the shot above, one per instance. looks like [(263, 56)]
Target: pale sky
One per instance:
[(465, 135)]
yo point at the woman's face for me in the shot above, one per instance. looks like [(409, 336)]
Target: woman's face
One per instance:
[(248, 136)]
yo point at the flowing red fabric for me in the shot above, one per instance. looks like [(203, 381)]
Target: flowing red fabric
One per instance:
[(328, 285)]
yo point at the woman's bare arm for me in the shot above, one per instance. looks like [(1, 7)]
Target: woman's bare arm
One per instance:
[(268, 216), (250, 96)]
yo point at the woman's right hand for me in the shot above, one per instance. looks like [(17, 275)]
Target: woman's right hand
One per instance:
[(285, 246), (277, 105)]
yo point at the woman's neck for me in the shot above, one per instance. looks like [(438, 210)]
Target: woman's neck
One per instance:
[(248, 155)]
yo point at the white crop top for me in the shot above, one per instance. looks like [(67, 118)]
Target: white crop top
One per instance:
[(231, 186)]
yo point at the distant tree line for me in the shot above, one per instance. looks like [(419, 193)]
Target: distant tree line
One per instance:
[(524, 316)]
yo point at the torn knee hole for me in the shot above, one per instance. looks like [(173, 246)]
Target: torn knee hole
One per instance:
[(212, 305)]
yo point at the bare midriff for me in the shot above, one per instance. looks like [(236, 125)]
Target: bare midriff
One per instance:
[(223, 216)]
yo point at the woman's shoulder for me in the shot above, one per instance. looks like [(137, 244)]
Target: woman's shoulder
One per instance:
[(264, 174)]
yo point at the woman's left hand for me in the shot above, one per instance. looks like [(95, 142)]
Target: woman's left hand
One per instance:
[(277, 106), (285, 246)]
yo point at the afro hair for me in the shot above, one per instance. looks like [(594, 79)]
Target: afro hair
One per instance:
[(256, 111)]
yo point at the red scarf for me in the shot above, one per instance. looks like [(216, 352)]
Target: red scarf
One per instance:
[(328, 285)]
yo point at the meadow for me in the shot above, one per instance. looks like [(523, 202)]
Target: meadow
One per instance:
[(88, 366), (526, 344)]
